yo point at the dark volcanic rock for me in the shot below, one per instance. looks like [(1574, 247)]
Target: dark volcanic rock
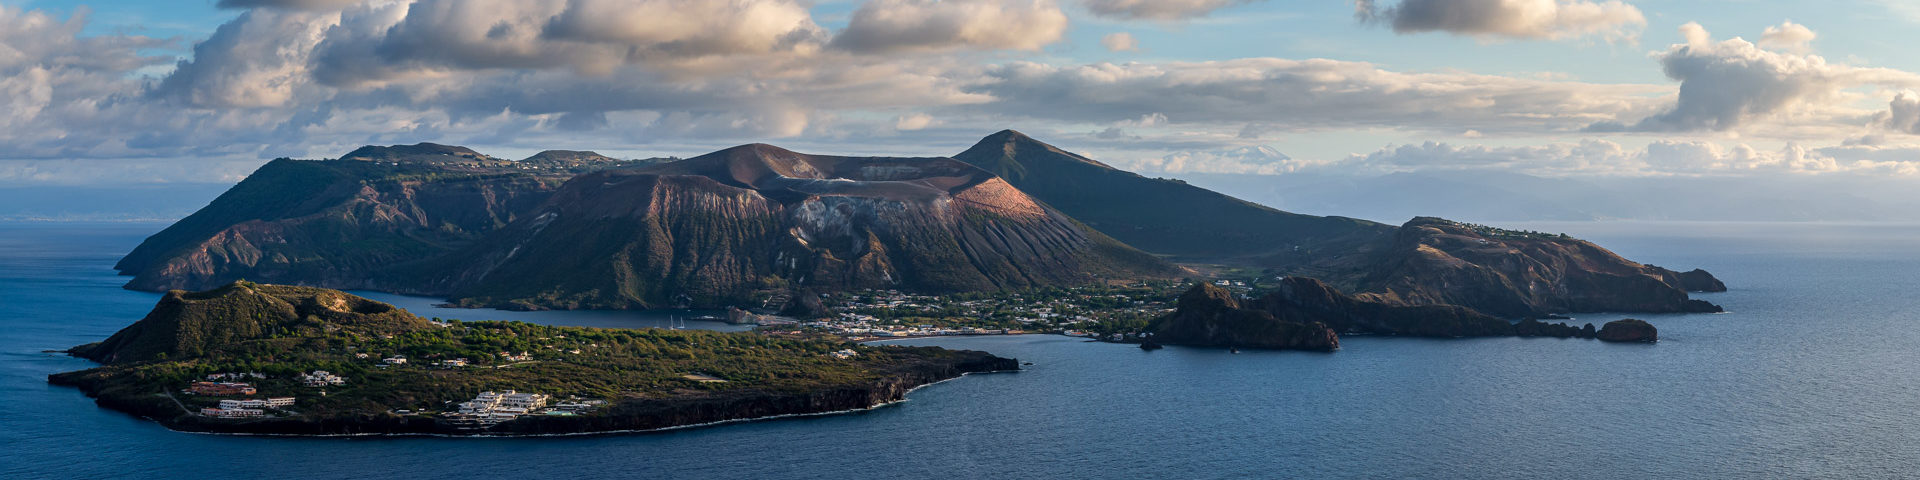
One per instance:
[(1163, 216), (1628, 330), (1306, 314), (710, 231), (342, 224), (1428, 261), (806, 305), (1519, 274), (717, 228), (1210, 316), (1698, 280), (1307, 299)]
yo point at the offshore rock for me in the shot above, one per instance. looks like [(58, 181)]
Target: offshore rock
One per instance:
[(1628, 330)]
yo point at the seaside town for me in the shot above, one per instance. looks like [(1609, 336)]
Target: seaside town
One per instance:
[(1084, 311)]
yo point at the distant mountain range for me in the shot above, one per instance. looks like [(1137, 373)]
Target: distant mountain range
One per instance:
[(752, 224)]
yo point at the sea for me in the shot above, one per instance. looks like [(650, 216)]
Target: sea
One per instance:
[(1814, 372)]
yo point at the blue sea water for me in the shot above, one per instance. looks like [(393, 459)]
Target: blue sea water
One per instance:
[(1814, 373)]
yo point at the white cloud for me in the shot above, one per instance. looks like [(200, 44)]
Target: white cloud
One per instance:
[(1157, 9), (1120, 42), (1248, 160), (257, 60), (1520, 19), (1787, 36), (934, 25), (1903, 114), (1728, 84), (914, 121), (1318, 94)]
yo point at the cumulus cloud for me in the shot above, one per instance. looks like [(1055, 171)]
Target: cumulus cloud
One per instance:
[(1157, 9), (1788, 36), (880, 26), (1315, 94), (1903, 114), (258, 60), (374, 44), (688, 27), (1519, 19), (1120, 42), (1725, 85), (65, 94)]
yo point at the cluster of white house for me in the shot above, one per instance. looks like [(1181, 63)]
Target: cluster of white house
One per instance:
[(845, 354), (321, 378), (504, 405), (217, 377), (247, 408)]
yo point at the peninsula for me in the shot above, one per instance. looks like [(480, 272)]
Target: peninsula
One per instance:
[(271, 359)]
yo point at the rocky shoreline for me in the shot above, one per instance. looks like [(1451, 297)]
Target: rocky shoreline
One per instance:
[(627, 416), (1306, 314)]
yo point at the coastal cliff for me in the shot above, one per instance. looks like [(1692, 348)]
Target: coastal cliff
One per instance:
[(1306, 314), (1514, 274), (1209, 315)]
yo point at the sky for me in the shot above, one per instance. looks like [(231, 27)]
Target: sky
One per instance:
[(130, 92)]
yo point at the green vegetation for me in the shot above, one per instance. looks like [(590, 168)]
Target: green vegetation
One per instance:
[(283, 331)]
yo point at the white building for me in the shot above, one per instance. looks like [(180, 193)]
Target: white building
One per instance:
[(232, 412), (321, 378), (505, 402), (248, 403)]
